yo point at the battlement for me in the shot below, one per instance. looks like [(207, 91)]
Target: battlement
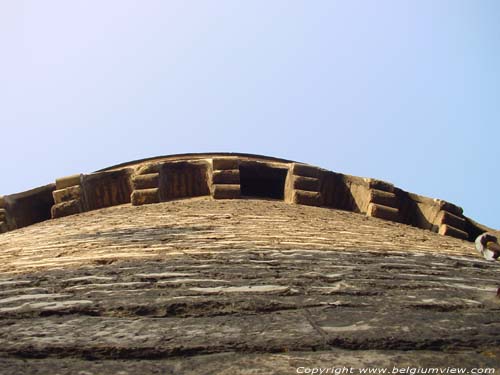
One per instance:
[(232, 176)]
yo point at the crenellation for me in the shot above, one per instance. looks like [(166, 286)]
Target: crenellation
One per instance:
[(231, 176)]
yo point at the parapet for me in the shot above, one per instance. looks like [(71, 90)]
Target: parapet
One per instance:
[(232, 176)]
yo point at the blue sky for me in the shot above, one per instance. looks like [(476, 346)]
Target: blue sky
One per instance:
[(405, 91)]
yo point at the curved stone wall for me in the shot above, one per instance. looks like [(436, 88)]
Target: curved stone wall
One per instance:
[(232, 176)]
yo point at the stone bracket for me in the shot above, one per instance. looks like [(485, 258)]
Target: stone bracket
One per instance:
[(68, 197), (146, 185), (303, 185), (451, 224), (226, 178), (382, 201), (4, 216)]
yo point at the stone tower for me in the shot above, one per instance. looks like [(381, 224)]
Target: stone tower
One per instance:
[(236, 263)]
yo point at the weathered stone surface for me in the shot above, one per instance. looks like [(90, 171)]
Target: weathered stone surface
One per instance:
[(306, 170), (306, 183), (66, 208), (146, 181), (2, 201), (380, 185), (447, 230), (226, 191), (445, 217), (149, 168), (227, 176), (192, 175), (450, 207), (105, 189), (66, 194), (225, 163), (384, 198), (145, 196), (183, 180), (309, 198), (247, 285), (65, 182)]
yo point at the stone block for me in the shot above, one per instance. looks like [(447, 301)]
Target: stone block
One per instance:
[(3, 203), (306, 170), (3, 227), (64, 182), (383, 212), (67, 194), (450, 207), (149, 168), (225, 163), (447, 230), (146, 181), (445, 217), (226, 191), (305, 183), (384, 198), (227, 176), (309, 198), (380, 185), (66, 208), (145, 196)]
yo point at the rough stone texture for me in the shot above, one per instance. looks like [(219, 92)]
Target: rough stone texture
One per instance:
[(233, 176), (240, 287)]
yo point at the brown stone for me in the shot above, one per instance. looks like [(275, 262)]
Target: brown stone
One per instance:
[(67, 194), (64, 182), (226, 191), (225, 163), (448, 230), (445, 217), (146, 181), (383, 212), (2, 202), (3, 227), (450, 207), (227, 176), (66, 208), (384, 198), (3, 214), (308, 198), (145, 196), (149, 168), (306, 170), (305, 183), (184, 179), (380, 185)]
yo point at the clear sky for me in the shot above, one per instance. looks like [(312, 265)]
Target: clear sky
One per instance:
[(405, 91)]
